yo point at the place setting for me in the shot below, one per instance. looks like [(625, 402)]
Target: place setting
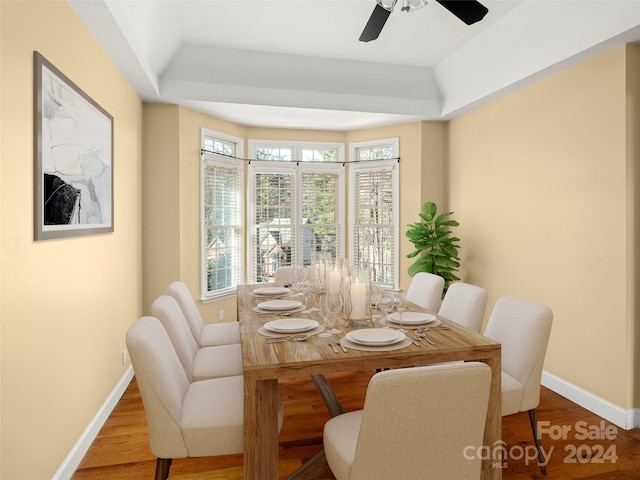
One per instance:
[(279, 307), (270, 292), (373, 339), (412, 320), (296, 329)]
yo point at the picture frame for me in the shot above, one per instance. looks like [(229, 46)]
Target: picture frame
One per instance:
[(73, 152)]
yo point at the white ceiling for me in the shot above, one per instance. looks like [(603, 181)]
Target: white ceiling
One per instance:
[(299, 63)]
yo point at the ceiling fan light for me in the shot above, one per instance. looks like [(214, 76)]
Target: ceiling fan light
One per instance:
[(387, 4), (413, 5)]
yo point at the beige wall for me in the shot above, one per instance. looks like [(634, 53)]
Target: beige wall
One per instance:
[(540, 183), (633, 216), (65, 305), (171, 212)]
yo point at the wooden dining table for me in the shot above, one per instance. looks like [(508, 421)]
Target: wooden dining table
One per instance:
[(264, 363)]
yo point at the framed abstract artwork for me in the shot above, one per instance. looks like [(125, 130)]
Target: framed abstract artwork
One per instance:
[(73, 150)]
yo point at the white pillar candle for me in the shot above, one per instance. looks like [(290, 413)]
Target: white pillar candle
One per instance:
[(358, 300), (335, 280)]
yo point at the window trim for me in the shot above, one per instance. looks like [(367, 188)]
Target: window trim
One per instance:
[(366, 165), (237, 162)]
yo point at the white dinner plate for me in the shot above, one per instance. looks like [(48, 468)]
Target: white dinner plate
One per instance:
[(291, 325), (375, 336), (279, 305), (272, 291), (412, 318)]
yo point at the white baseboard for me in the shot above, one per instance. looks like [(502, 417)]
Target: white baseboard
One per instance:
[(626, 419), (70, 464)]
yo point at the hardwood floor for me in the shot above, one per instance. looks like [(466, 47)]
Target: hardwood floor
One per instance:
[(121, 450)]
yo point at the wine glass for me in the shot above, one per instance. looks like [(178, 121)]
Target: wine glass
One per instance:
[(330, 306), (401, 306), (298, 275), (375, 300), (334, 304), (313, 284), (385, 304)]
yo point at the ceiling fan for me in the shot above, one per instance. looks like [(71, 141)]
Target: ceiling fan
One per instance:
[(469, 11)]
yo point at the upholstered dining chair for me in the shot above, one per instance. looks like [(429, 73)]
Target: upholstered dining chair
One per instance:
[(206, 335), (416, 424), (283, 276), (426, 290), (185, 419), (199, 362), (523, 328), (465, 304)]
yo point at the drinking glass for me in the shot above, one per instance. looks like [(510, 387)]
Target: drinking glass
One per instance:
[(331, 306), (298, 275), (401, 306), (313, 285), (375, 300), (385, 304), (335, 307)]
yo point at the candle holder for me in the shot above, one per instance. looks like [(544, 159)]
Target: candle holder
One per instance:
[(357, 296), (334, 278), (322, 262)]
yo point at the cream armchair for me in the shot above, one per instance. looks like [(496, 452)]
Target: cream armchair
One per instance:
[(207, 335), (199, 363), (426, 290), (283, 276), (185, 419), (416, 423), (465, 304), (523, 328)]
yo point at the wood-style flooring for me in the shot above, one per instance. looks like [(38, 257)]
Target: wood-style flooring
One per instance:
[(576, 439)]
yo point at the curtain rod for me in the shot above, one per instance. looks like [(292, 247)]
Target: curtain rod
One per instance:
[(249, 160)]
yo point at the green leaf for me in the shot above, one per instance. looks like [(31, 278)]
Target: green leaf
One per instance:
[(429, 210)]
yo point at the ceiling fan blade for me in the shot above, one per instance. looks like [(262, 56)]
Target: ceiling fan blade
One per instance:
[(469, 11), (374, 26)]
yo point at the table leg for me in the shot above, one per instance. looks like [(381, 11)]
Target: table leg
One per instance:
[(261, 410), (328, 395), (492, 468)]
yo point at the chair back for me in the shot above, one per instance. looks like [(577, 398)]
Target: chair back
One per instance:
[(523, 328), (419, 421), (166, 309), (426, 290), (181, 293), (465, 304), (283, 276), (162, 383)]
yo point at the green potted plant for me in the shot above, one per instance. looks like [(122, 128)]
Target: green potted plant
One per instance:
[(435, 245)]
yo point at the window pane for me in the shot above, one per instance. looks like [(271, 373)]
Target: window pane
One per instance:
[(221, 265), (310, 155), (273, 154), (375, 153)]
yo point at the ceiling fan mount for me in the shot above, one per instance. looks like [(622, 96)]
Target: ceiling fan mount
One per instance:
[(469, 11)]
